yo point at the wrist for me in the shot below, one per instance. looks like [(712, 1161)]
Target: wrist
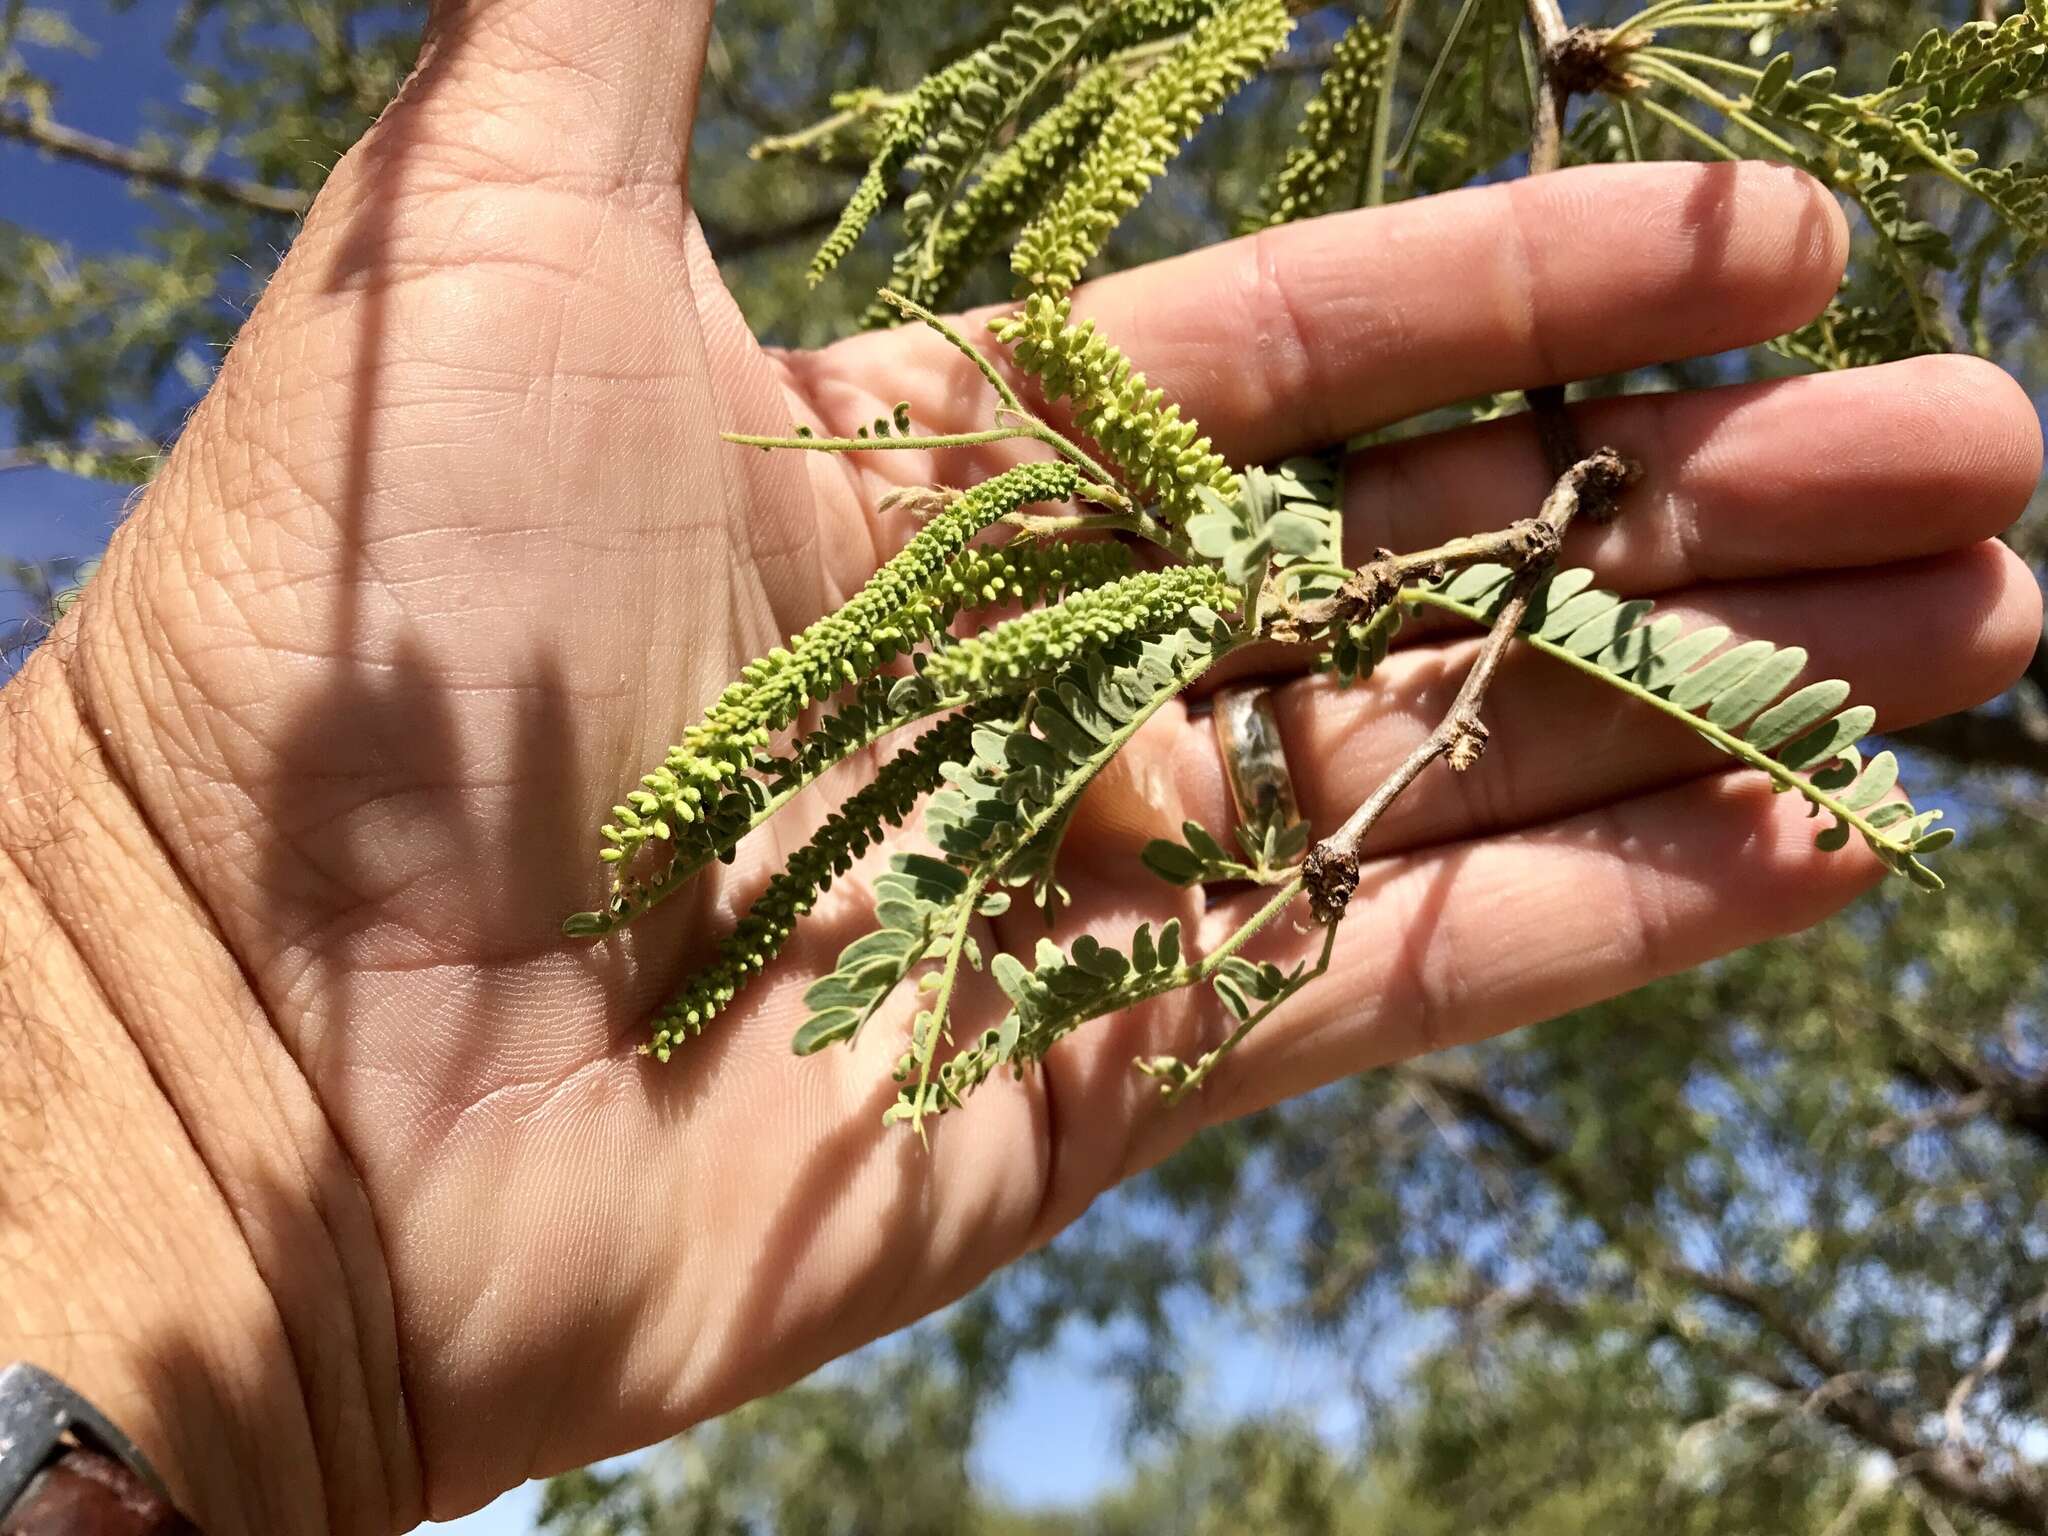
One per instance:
[(180, 1237)]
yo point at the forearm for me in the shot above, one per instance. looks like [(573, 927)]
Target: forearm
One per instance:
[(170, 1241)]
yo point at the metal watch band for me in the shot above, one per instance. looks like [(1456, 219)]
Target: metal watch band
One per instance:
[(66, 1471)]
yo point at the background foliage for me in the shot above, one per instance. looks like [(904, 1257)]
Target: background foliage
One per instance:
[(1762, 1248)]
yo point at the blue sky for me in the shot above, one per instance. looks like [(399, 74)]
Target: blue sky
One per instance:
[(1061, 1407), (1070, 1421), (44, 514)]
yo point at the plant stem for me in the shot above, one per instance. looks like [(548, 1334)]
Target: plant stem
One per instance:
[(1380, 579), (1690, 13), (1012, 406), (1708, 24), (1076, 783), (1546, 153), (915, 311), (1028, 427), (1064, 446), (1330, 872), (1726, 740), (1584, 483), (1687, 126), (1708, 60), (882, 444), (1212, 962), (1050, 525), (1373, 189), (1189, 973), (1437, 71), (1656, 62), (1546, 146), (1186, 1079), (942, 1000), (1628, 129), (867, 104)]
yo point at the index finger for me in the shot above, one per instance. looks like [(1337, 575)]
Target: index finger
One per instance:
[(1307, 334)]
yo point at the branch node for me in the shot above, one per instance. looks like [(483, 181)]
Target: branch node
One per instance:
[(1532, 541), (1372, 586), (1329, 874), (1585, 61), (1465, 742), (1603, 477)]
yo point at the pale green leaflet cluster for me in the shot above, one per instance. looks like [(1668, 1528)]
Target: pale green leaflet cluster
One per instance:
[(1040, 142)]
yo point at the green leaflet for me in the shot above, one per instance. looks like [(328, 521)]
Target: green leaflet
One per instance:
[(1278, 518), (1018, 780), (1331, 137), (928, 1027), (916, 901), (1249, 992), (1048, 999), (1859, 332), (1160, 450), (1198, 859), (1729, 696), (2022, 188), (894, 610), (1022, 776), (1356, 650), (1063, 987), (1978, 65), (1146, 131), (1910, 137), (1245, 988), (1289, 522), (2018, 194), (1870, 145), (1059, 992)]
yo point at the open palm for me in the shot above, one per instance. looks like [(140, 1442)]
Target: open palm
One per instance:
[(453, 549)]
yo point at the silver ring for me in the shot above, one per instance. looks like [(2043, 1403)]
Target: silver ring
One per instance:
[(1255, 758)]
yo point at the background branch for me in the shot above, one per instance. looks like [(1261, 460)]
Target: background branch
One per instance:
[(156, 170), (1842, 1394)]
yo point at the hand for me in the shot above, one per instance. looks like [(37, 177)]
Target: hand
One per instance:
[(453, 549)]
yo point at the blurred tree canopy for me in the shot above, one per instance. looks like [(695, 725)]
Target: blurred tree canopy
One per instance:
[(1761, 1248)]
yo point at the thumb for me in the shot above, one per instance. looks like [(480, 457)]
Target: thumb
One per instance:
[(565, 91)]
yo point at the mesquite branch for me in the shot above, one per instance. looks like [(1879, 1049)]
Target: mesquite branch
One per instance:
[(1587, 485), (1330, 873), (155, 170), (1546, 139), (1380, 580), (1056, 690), (1571, 59), (1546, 150)]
